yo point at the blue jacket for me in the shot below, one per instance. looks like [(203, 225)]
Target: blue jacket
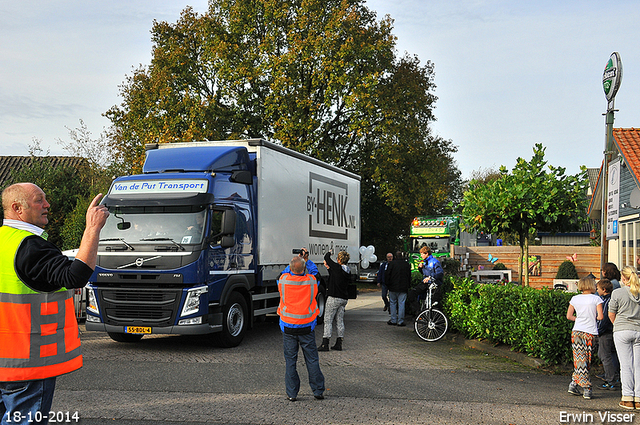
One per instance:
[(605, 326), (381, 270), (431, 267), (311, 268)]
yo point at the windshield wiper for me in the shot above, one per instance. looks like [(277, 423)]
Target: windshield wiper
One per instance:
[(118, 240), (164, 239)]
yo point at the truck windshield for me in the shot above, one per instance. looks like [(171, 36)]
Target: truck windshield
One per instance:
[(182, 224), (437, 245)]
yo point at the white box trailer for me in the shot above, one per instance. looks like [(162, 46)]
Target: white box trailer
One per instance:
[(302, 202)]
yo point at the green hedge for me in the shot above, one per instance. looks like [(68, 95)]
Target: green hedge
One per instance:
[(531, 321)]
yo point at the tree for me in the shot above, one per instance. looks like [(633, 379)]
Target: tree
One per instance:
[(319, 77), (96, 178), (63, 183), (533, 197)]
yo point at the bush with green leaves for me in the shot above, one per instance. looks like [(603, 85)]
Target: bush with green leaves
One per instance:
[(567, 270), (499, 266), (532, 321)]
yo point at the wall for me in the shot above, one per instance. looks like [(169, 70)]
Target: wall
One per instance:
[(587, 260)]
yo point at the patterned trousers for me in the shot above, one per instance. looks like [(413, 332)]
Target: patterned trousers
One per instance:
[(582, 345), (334, 308)]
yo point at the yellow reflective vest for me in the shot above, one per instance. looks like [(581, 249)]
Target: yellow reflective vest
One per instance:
[(39, 336)]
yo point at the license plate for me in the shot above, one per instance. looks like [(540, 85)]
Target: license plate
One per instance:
[(137, 329), (363, 277)]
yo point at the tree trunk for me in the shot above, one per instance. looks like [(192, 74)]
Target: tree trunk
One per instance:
[(526, 261), (521, 263)]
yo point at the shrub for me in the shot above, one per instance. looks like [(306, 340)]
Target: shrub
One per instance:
[(532, 321), (567, 270), (499, 266)]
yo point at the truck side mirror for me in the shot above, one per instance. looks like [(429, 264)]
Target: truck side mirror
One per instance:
[(227, 229), (227, 241), (241, 176), (228, 225)]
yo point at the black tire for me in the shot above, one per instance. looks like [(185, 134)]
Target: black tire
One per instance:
[(122, 337), (234, 321), (321, 300), (431, 325)]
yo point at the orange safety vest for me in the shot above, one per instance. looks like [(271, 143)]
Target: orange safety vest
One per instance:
[(298, 304), (39, 335)]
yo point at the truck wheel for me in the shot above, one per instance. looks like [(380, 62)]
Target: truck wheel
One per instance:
[(234, 321), (122, 337), (321, 300)]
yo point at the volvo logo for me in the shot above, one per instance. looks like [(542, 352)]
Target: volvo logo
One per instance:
[(139, 262)]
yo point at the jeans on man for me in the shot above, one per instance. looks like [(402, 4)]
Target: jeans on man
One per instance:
[(397, 302), (31, 398), (310, 351), (385, 297)]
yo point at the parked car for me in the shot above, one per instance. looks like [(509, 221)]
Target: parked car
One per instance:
[(370, 274)]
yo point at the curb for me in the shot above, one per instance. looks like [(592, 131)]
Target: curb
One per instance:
[(498, 350), (506, 352)]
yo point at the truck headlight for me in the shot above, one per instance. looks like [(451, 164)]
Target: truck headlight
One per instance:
[(92, 304), (192, 302)]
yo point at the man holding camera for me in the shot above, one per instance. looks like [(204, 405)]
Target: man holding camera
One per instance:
[(309, 265), (298, 311)]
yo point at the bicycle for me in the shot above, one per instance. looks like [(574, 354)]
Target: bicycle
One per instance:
[(431, 324)]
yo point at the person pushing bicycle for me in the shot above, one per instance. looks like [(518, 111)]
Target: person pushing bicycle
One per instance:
[(432, 272)]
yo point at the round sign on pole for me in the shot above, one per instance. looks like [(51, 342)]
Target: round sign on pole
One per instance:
[(612, 76)]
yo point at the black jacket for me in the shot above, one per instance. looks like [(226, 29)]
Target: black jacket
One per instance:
[(338, 279), (397, 277)]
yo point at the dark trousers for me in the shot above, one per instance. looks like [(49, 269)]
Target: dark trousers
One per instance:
[(609, 357), (421, 289), (385, 292)]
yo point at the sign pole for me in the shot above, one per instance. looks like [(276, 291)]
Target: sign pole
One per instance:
[(605, 187), (611, 79)]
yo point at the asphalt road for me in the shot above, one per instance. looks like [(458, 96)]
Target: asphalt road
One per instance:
[(385, 375)]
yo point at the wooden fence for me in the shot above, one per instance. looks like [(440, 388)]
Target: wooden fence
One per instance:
[(587, 260)]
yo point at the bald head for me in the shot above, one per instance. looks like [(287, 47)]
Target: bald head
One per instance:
[(297, 265), (25, 202)]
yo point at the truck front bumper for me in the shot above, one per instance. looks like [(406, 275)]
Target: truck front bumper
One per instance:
[(205, 328)]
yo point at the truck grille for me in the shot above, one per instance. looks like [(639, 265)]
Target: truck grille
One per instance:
[(148, 307)]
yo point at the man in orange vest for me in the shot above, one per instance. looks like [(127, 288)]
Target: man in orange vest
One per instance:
[(39, 337), (298, 311)]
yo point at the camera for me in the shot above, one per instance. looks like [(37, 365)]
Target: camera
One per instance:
[(296, 251)]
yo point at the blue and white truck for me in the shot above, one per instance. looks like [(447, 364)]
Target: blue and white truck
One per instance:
[(195, 244)]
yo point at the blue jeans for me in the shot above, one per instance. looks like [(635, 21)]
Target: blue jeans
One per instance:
[(27, 397), (310, 350), (397, 301), (385, 297)]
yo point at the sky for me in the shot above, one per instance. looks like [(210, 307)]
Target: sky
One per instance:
[(509, 74)]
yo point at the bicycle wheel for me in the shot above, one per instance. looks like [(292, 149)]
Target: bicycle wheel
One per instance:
[(431, 325)]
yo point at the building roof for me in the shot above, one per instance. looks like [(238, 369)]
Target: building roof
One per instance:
[(10, 164), (592, 175), (626, 142)]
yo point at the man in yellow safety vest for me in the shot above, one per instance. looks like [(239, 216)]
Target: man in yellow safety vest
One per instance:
[(39, 337)]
